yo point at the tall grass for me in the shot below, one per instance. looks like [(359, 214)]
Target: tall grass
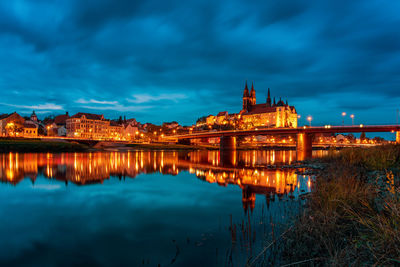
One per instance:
[(374, 158), (353, 215)]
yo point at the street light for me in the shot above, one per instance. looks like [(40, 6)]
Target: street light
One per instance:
[(352, 119), (309, 118), (343, 115)]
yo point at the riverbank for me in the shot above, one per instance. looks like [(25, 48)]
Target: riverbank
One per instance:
[(353, 215), (37, 145)]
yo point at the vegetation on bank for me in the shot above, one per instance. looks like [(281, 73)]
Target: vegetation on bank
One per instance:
[(353, 215), (36, 145)]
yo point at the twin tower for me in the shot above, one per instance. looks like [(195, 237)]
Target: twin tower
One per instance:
[(249, 98)]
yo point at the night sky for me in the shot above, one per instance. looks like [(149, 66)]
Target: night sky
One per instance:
[(178, 60)]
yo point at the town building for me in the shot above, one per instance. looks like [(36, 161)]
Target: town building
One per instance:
[(14, 125), (268, 114), (93, 126), (30, 130), (88, 126)]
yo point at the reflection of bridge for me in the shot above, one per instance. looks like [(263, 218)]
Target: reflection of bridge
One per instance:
[(304, 134)]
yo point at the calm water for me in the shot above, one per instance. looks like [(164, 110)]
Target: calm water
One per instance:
[(143, 208)]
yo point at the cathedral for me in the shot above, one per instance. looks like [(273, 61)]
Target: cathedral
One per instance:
[(269, 114)]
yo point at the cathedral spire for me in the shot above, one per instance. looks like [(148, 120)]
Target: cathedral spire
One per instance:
[(246, 91), (269, 99), (252, 95)]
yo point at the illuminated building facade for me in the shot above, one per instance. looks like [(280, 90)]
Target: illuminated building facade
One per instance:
[(96, 127), (15, 125), (87, 125), (268, 114)]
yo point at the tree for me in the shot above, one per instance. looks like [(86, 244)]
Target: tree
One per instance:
[(362, 136), (201, 119), (351, 138)]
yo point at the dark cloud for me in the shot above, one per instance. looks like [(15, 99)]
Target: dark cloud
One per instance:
[(63, 51)]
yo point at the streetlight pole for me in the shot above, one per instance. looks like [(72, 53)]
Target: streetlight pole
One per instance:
[(397, 117), (352, 119), (309, 118), (343, 114)]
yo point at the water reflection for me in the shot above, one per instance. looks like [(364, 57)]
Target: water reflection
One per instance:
[(149, 216), (247, 169)]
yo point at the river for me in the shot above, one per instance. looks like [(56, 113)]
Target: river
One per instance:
[(144, 208)]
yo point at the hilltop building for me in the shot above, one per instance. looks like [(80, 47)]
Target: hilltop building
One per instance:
[(268, 114)]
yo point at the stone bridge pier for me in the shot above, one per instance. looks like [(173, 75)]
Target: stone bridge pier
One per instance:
[(227, 143), (304, 146)]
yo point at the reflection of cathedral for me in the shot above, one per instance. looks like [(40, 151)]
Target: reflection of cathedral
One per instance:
[(247, 170)]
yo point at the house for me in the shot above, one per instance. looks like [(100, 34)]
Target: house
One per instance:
[(30, 129), (11, 124)]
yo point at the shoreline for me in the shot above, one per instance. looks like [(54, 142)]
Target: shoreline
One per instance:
[(60, 145)]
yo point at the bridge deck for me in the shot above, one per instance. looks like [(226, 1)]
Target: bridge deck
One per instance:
[(284, 131)]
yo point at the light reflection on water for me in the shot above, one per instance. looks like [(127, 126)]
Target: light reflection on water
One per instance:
[(147, 220)]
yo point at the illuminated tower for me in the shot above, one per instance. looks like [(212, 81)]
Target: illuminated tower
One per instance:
[(246, 97), (252, 95), (269, 104), (34, 117)]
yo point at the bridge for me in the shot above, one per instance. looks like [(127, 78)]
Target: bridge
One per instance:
[(304, 134)]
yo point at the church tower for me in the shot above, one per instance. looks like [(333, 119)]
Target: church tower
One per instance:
[(34, 117), (246, 97), (269, 104), (252, 95)]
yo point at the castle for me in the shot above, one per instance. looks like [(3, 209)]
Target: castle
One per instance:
[(269, 114)]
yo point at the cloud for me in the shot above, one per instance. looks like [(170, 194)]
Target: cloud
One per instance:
[(122, 57), (46, 106), (92, 101), (119, 107), (145, 98)]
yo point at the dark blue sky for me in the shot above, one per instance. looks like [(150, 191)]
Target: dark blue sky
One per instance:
[(178, 60)]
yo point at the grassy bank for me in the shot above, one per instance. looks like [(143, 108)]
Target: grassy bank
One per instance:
[(353, 215), (35, 145)]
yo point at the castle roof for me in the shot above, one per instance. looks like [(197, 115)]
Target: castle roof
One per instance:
[(263, 108), (260, 108)]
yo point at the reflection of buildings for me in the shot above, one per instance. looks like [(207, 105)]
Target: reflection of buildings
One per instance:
[(247, 170)]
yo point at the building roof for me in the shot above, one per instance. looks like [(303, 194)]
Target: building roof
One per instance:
[(30, 125), (61, 119), (223, 113), (261, 108), (114, 123), (3, 116), (89, 116)]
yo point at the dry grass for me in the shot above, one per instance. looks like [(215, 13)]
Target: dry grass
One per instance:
[(349, 221), (372, 159)]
